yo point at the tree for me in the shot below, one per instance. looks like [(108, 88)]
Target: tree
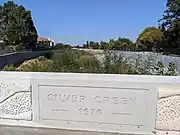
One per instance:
[(16, 26), (59, 46), (103, 45), (111, 44), (125, 44), (120, 44), (91, 45), (149, 38), (170, 24), (171, 13)]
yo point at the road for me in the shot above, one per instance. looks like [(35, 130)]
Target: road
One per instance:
[(7, 130)]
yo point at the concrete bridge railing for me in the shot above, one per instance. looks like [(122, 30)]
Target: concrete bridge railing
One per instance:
[(127, 104)]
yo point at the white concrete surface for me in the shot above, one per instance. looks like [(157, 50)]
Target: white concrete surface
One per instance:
[(65, 91), (15, 101), (89, 105)]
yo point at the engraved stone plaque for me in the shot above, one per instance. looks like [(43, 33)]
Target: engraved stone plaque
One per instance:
[(111, 109)]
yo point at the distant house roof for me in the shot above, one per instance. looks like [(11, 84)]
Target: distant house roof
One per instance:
[(42, 39)]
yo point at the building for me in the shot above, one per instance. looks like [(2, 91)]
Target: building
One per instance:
[(45, 41)]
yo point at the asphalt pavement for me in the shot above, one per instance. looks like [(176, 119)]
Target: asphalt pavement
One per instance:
[(8, 130)]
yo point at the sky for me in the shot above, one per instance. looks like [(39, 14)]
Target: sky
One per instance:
[(76, 21)]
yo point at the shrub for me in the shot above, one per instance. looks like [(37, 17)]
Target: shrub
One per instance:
[(72, 60), (88, 63), (171, 71), (160, 69), (48, 55), (40, 64), (9, 68), (65, 60), (114, 63), (143, 65)]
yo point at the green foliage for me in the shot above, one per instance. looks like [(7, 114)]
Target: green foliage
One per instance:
[(59, 46), (48, 55), (171, 71), (9, 68), (91, 45), (171, 13), (120, 44), (114, 63), (65, 60), (149, 38), (149, 66), (103, 45), (143, 65), (125, 44), (40, 64), (88, 64), (170, 25), (160, 69), (16, 26), (72, 60)]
